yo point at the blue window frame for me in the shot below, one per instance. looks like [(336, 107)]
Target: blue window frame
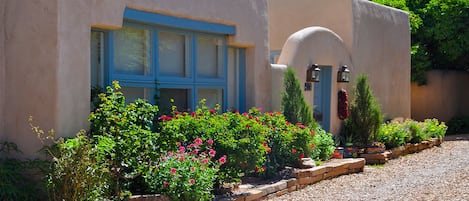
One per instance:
[(161, 56)]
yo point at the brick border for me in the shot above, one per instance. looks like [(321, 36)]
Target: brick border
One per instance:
[(381, 158)]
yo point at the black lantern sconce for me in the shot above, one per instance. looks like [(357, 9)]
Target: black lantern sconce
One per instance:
[(312, 74), (344, 74)]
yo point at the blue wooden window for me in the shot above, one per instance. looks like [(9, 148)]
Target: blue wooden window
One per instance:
[(160, 57)]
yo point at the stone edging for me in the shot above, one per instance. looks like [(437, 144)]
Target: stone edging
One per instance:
[(381, 158), (301, 179)]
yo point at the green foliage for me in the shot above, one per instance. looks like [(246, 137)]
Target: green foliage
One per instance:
[(397, 133), (19, 178), (393, 134), (294, 106), (124, 138), (434, 129), (458, 125), (324, 145), (440, 38), (187, 174), (365, 114)]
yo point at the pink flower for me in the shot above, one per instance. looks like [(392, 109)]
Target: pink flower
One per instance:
[(191, 181), (163, 159), (181, 150), (166, 184), (193, 114), (293, 150), (212, 111), (198, 141), (248, 126), (173, 171), (192, 168), (259, 108), (182, 158), (178, 144), (301, 156), (264, 168), (210, 141), (312, 146), (236, 111), (176, 113), (212, 153), (205, 161), (165, 118), (222, 160), (313, 133), (195, 151)]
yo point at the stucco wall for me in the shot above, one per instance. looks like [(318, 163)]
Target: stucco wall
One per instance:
[(444, 96), (30, 69), (381, 49), (286, 17), (47, 55), (321, 46), (2, 70), (376, 37)]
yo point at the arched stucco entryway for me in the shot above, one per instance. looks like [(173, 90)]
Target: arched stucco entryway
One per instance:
[(314, 45)]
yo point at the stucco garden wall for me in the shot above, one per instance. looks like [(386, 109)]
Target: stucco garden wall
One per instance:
[(47, 64), (376, 37), (445, 95), (2, 70)]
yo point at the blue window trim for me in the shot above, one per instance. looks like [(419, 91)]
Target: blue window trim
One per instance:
[(157, 23), (177, 22)]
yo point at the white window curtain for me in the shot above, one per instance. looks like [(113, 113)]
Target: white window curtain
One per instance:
[(132, 51)]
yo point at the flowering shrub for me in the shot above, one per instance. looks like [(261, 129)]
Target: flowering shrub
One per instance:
[(239, 136), (187, 174), (393, 134), (433, 128)]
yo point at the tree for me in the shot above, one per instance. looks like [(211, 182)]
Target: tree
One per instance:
[(294, 106), (440, 38), (365, 114)]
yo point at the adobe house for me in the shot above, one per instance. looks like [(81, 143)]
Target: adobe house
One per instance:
[(368, 38), (53, 52)]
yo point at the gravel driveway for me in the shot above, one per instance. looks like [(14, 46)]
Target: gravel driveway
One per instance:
[(439, 173)]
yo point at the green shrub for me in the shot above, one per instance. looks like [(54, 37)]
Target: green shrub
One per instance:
[(19, 178), (416, 133), (294, 106), (323, 145), (124, 138), (188, 174), (365, 114), (458, 124), (434, 129), (393, 134)]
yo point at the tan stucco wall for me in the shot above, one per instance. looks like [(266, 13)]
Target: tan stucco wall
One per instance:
[(286, 17), (321, 46), (381, 49), (2, 71), (376, 37), (31, 57), (444, 96), (47, 56)]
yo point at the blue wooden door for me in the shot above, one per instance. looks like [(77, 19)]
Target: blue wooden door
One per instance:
[(322, 98)]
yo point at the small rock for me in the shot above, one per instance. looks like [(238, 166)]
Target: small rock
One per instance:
[(307, 163)]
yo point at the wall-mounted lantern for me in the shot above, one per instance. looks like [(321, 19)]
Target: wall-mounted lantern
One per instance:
[(344, 74), (312, 74)]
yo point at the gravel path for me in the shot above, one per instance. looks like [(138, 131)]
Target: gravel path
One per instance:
[(439, 173)]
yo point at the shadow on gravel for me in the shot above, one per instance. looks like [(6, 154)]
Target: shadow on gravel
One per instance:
[(457, 137)]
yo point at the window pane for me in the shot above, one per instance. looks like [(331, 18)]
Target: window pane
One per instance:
[(209, 58), (232, 79), (181, 99), (172, 53), (96, 56), (212, 96), (132, 51), (133, 93)]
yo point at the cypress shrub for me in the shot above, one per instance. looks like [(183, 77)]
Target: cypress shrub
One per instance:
[(365, 114), (294, 106)]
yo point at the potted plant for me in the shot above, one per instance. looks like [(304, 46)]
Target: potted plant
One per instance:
[(376, 147)]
